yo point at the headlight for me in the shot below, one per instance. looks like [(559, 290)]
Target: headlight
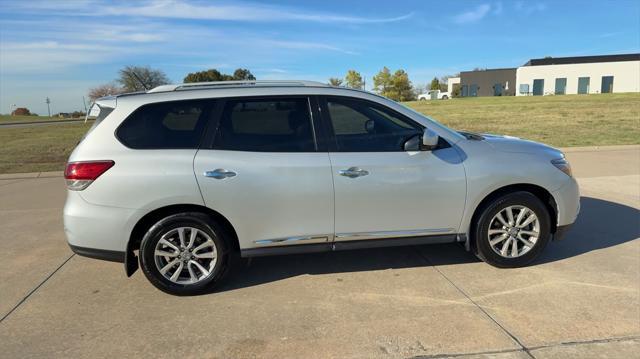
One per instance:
[(563, 165)]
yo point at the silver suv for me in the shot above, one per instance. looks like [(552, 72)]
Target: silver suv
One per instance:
[(184, 177)]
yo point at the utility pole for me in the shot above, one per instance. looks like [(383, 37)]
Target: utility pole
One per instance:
[(48, 108), (85, 104)]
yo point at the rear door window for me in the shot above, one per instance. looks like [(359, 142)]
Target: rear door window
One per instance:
[(168, 125), (266, 125)]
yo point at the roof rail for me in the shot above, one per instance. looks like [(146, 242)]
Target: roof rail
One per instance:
[(219, 84)]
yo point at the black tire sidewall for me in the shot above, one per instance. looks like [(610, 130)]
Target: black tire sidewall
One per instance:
[(486, 253), (153, 235)]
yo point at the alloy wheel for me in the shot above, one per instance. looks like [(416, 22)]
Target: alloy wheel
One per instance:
[(513, 231), (185, 255)]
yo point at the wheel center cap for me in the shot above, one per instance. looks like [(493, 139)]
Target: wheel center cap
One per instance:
[(185, 255), (513, 231)]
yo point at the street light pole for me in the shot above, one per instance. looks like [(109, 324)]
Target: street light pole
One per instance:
[(48, 108)]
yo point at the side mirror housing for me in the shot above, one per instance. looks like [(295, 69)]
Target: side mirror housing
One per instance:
[(425, 142), (429, 140)]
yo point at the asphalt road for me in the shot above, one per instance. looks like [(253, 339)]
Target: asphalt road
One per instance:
[(581, 299)]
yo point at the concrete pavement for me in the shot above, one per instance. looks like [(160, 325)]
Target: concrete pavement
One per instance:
[(581, 299)]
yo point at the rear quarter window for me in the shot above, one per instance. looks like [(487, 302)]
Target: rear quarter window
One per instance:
[(167, 125)]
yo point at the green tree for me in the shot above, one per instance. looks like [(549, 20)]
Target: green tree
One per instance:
[(435, 84), (383, 83), (206, 76), (243, 74), (140, 78), (402, 87), (334, 81), (353, 79), (215, 75)]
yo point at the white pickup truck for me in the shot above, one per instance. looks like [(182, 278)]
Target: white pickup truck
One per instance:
[(434, 95)]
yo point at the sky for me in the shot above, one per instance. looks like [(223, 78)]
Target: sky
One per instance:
[(60, 49)]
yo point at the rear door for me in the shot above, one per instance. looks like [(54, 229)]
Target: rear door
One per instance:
[(382, 191), (264, 171)]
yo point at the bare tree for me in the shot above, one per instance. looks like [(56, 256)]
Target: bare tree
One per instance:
[(104, 90), (140, 78)]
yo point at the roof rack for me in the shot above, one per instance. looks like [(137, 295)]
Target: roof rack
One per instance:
[(219, 84)]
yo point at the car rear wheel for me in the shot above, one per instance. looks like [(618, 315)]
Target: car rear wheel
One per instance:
[(512, 230), (184, 254), (445, 97)]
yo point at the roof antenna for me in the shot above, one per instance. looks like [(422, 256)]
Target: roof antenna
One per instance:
[(146, 88)]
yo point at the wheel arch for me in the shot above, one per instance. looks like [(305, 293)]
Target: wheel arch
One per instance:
[(141, 227), (540, 192)]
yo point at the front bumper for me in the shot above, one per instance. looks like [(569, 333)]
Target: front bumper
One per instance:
[(567, 200)]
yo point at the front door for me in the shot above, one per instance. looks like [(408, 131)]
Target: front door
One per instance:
[(607, 84), (381, 191), (538, 87), (266, 175)]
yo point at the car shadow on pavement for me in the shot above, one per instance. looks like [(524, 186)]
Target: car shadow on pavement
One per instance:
[(601, 224)]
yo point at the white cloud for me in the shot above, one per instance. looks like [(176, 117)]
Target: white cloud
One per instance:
[(303, 45), (203, 11), (529, 8), (47, 56), (473, 15)]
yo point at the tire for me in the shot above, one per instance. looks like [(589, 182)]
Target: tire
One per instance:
[(490, 246), (206, 258), (423, 99), (445, 97)]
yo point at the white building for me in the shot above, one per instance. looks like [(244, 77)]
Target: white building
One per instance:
[(579, 75), (452, 81)]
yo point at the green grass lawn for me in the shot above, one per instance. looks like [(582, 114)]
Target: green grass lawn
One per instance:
[(26, 119), (40, 148), (562, 121)]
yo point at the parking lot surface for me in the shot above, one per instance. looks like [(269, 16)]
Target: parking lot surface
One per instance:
[(581, 299)]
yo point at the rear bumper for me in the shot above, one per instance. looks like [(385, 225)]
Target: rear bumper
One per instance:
[(97, 231), (106, 255)]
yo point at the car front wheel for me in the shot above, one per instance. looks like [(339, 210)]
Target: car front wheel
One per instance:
[(512, 230), (184, 254)]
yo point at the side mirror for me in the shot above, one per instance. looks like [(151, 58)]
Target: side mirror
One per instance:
[(425, 142), (429, 139), (370, 126)]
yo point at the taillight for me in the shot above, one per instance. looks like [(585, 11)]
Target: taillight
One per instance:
[(80, 175)]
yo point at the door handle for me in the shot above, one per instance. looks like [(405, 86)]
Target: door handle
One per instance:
[(353, 172), (220, 174)]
